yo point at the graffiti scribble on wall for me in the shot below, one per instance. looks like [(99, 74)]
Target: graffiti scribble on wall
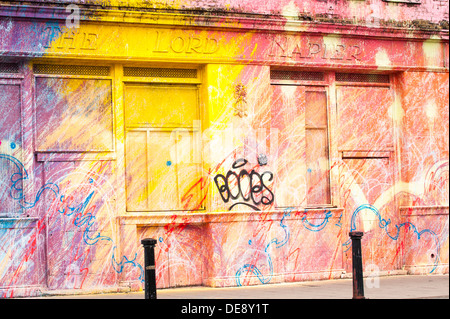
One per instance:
[(79, 215), (249, 148), (250, 187)]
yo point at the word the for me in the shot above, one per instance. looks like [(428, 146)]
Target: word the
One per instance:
[(184, 44), (258, 192), (69, 39)]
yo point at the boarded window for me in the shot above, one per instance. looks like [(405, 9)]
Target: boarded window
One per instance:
[(317, 162), (73, 115), (365, 118), (300, 115), (11, 168), (161, 105), (163, 165)]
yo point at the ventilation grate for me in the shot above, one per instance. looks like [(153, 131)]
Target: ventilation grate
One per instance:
[(9, 68), (296, 75), (359, 77), (71, 69), (160, 72)]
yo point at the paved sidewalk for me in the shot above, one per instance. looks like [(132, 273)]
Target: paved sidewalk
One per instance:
[(388, 287)]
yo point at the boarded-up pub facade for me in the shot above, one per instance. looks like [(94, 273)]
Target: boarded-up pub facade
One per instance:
[(247, 137)]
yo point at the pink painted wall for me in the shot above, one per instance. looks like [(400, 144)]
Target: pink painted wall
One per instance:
[(341, 156), (366, 11)]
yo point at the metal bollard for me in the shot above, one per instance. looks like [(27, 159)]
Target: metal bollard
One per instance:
[(150, 269), (358, 284)]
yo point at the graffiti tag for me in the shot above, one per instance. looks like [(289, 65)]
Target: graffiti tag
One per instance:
[(233, 186)]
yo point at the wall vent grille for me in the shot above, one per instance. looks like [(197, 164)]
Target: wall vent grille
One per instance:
[(296, 75), (71, 69), (9, 68), (160, 72), (360, 77)]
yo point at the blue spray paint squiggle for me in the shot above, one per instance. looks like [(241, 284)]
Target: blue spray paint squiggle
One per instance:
[(16, 191), (383, 223), (88, 219), (254, 269), (318, 227), (82, 219)]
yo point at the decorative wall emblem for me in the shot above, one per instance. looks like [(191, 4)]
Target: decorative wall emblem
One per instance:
[(240, 101)]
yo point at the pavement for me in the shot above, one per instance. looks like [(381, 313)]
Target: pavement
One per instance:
[(386, 287)]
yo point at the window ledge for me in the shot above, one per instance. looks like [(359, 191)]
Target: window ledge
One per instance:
[(75, 156), (424, 210), (187, 217)]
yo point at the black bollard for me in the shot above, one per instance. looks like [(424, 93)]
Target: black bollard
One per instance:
[(358, 284), (150, 269)]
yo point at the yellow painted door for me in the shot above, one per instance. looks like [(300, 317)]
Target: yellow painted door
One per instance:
[(163, 162)]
